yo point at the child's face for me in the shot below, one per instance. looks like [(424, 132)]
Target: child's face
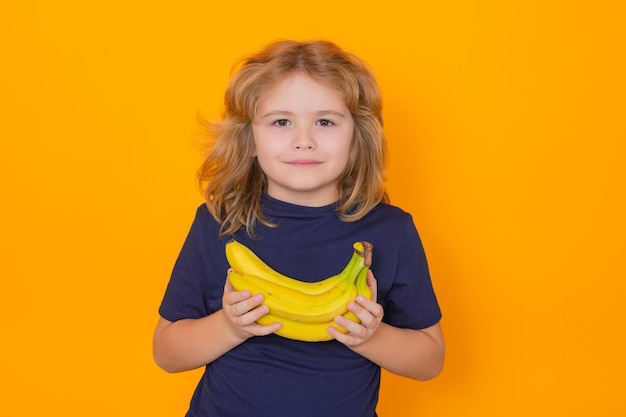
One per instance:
[(302, 135)]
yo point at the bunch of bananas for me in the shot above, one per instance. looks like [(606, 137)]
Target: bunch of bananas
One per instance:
[(305, 309)]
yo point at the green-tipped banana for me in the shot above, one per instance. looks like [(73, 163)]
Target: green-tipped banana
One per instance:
[(361, 284), (305, 309), (244, 261)]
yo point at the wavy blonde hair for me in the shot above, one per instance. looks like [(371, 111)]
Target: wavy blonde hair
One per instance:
[(232, 180)]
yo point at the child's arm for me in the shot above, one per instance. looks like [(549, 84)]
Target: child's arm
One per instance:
[(191, 343), (417, 354)]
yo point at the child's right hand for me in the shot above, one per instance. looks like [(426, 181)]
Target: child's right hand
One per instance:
[(243, 309)]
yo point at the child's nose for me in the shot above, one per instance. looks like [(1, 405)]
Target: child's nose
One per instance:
[(304, 139)]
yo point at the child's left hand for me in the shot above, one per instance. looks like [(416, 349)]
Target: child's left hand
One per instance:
[(368, 311)]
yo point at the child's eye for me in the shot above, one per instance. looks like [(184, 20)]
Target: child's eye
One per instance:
[(325, 123), (281, 122)]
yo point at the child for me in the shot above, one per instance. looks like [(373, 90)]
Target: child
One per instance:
[(296, 174)]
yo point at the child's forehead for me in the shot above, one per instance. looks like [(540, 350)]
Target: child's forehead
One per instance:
[(300, 88), (301, 79), (301, 83)]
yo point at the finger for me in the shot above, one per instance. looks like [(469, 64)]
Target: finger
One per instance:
[(232, 296), (249, 304), (356, 333), (339, 336), (368, 312), (364, 316), (265, 330), (372, 284), (228, 286), (372, 307), (249, 320), (259, 330), (351, 326), (251, 315)]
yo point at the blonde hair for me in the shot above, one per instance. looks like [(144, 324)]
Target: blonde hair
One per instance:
[(232, 180)]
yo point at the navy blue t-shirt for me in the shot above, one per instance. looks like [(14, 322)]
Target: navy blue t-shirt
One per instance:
[(271, 376)]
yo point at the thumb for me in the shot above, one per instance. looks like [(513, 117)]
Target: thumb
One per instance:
[(372, 284), (227, 285)]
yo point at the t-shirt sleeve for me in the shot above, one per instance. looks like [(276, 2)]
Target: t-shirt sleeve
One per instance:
[(185, 296), (411, 301)]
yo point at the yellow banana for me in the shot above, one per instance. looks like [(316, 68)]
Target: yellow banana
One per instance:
[(361, 284), (292, 304), (306, 332), (305, 309), (245, 261)]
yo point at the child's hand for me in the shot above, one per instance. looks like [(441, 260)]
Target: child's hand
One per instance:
[(368, 311), (243, 310)]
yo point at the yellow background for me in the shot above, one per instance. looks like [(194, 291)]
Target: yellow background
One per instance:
[(506, 123)]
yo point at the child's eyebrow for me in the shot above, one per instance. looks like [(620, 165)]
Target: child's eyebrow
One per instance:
[(276, 113), (331, 112), (281, 113)]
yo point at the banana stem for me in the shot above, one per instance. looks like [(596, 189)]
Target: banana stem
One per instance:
[(366, 253)]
